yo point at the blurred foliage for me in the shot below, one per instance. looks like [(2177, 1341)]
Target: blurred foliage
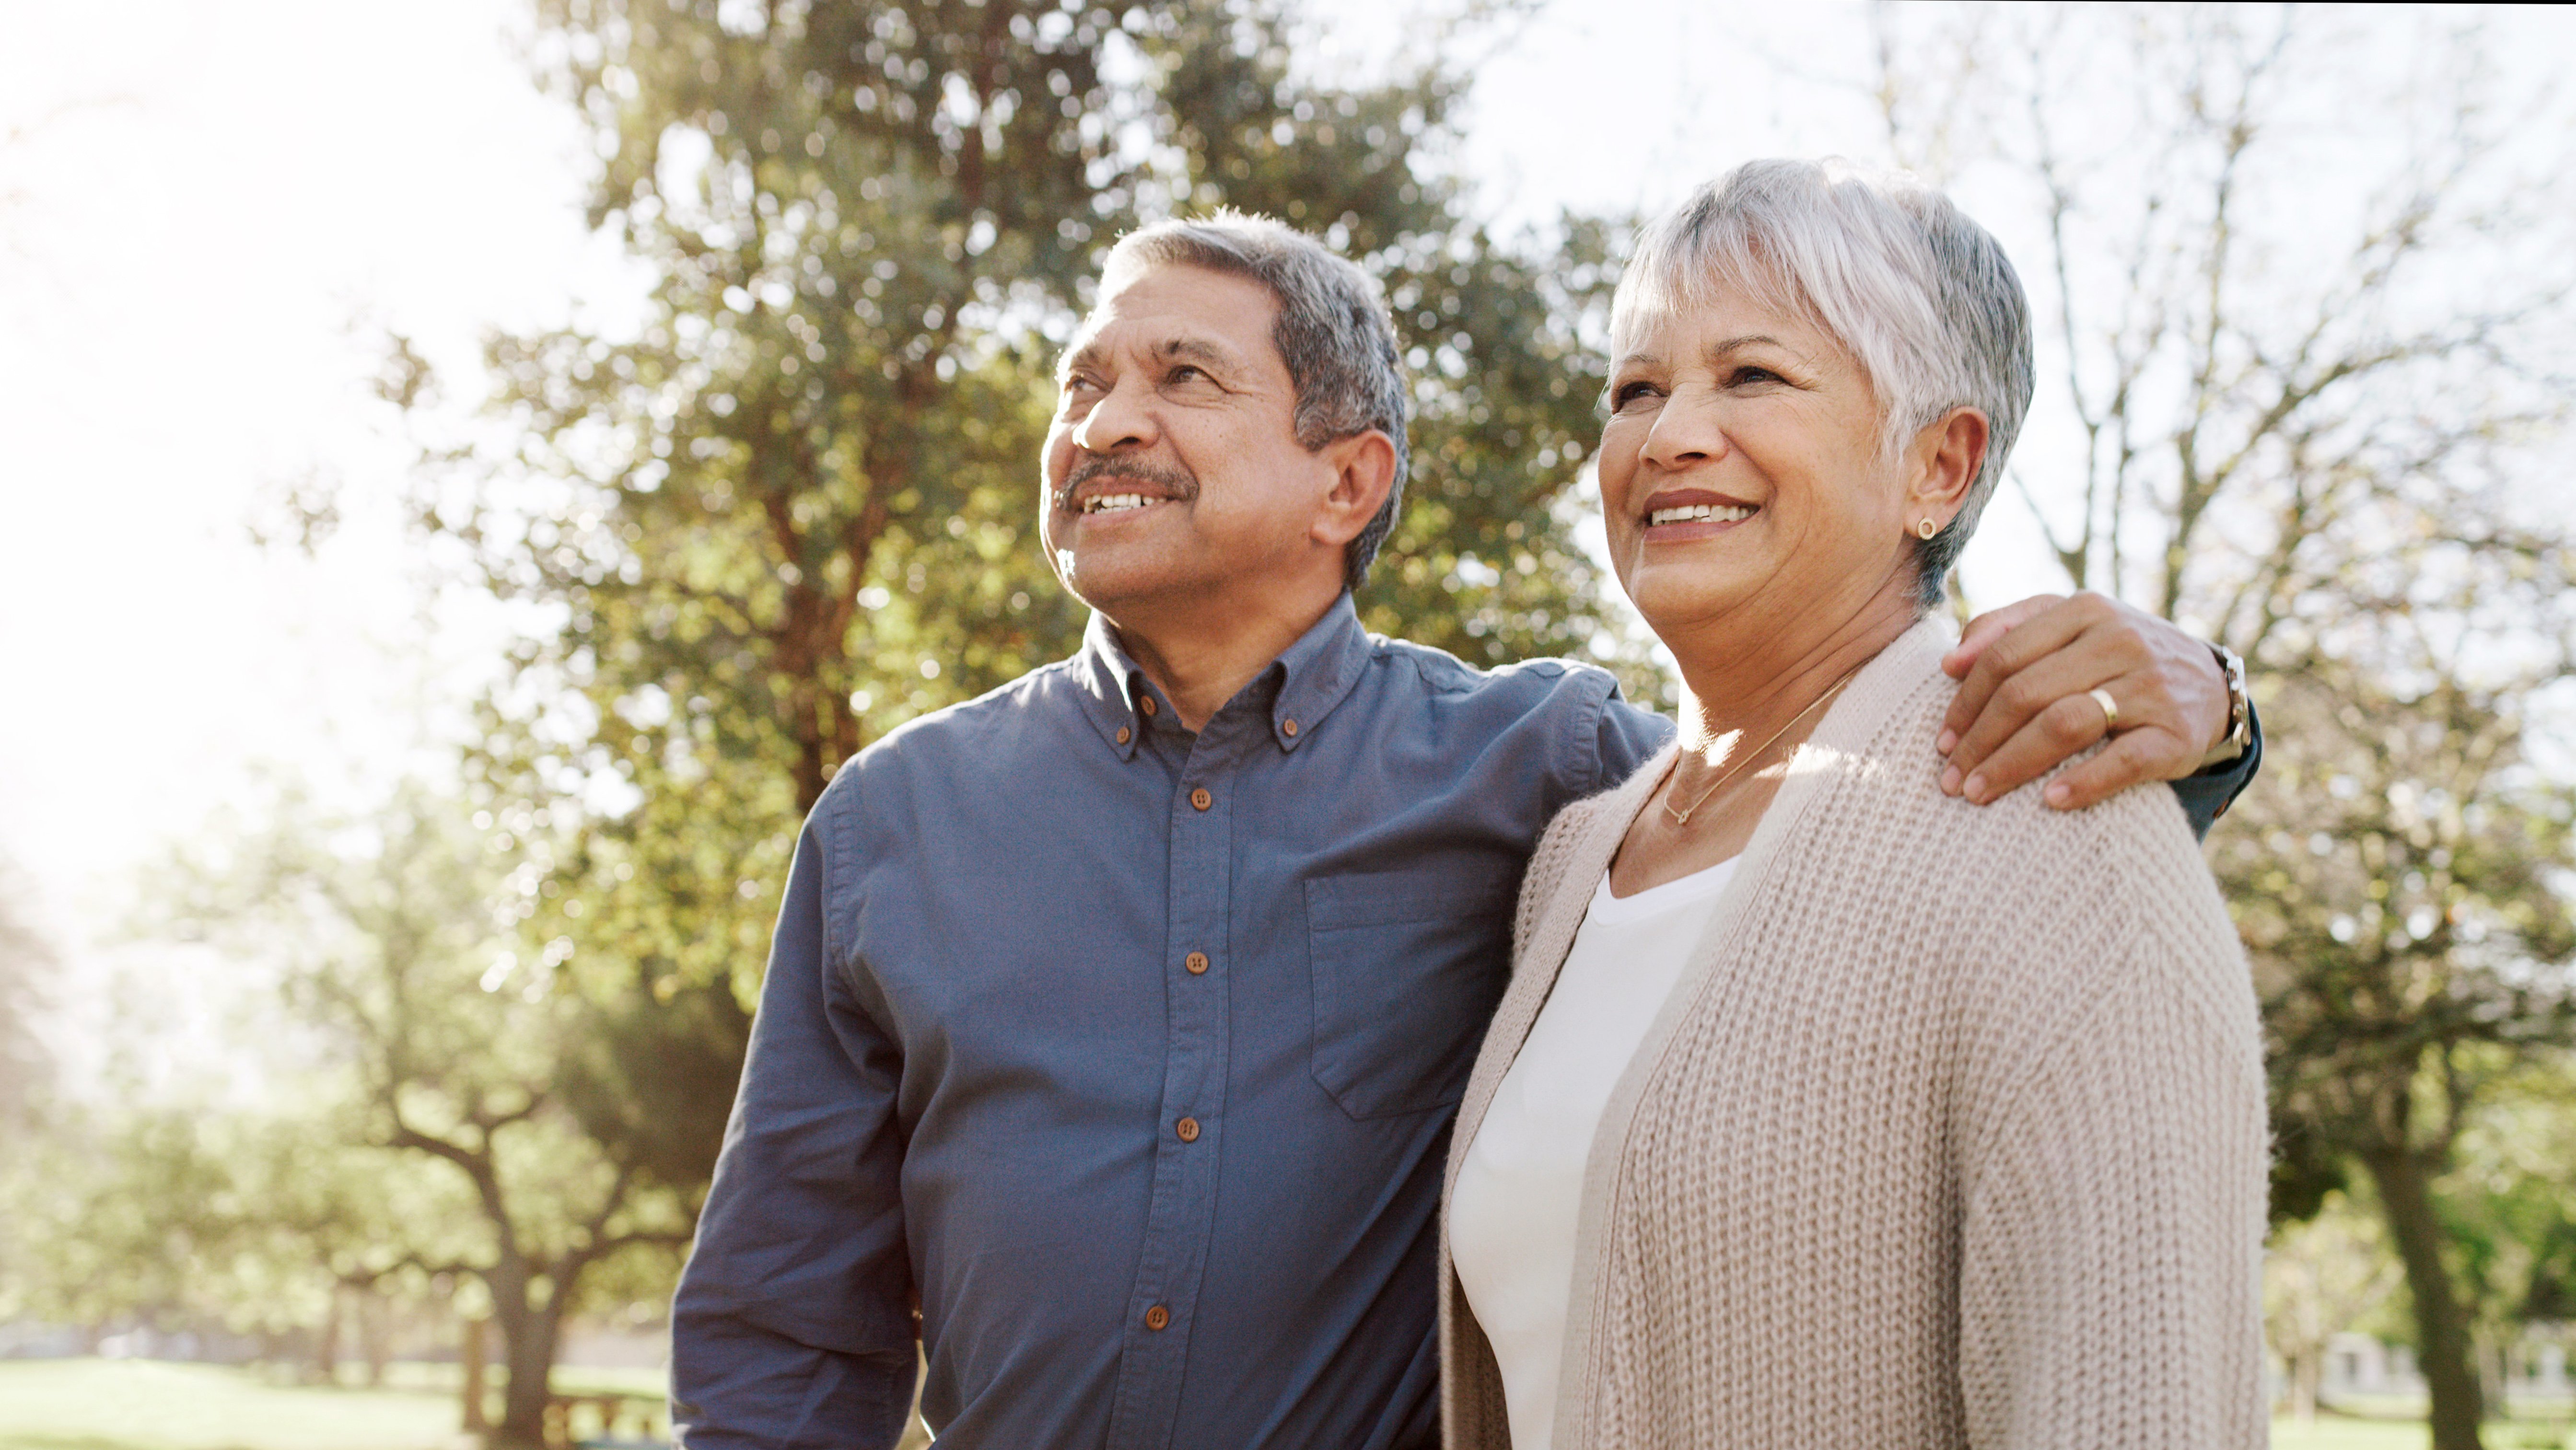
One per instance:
[(462, 1120), (2323, 1276), (257, 1223), (795, 508), (2398, 885), (26, 958), (2310, 422), (2509, 1211)]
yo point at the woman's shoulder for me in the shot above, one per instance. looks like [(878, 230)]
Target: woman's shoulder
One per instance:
[(2019, 868), (1913, 701)]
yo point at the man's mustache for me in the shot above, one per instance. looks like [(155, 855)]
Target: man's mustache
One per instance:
[(1178, 483)]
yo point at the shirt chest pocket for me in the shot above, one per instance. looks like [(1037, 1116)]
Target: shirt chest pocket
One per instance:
[(1407, 968)]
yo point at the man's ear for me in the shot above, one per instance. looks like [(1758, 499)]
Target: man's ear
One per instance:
[(1363, 470), (1944, 461)]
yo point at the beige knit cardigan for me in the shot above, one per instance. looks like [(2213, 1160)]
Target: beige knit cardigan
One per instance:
[(1952, 1132)]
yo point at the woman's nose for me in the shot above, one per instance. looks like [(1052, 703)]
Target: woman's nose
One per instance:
[(1684, 435), (1119, 419)]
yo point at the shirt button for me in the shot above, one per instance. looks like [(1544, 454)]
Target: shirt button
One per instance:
[(1201, 799), (1188, 1128), (1125, 734), (1197, 963), (1158, 1318), (1146, 704), (1288, 728)]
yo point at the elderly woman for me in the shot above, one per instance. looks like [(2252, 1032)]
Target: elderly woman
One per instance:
[(1824, 1108)]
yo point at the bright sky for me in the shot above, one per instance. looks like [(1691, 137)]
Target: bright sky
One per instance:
[(199, 224), (202, 213), (201, 218)]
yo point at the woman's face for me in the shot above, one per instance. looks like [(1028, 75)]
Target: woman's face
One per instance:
[(1741, 476)]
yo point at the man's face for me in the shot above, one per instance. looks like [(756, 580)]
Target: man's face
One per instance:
[(1173, 473)]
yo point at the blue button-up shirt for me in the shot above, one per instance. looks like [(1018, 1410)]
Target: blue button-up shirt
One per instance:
[(1132, 1053), (1135, 1050)]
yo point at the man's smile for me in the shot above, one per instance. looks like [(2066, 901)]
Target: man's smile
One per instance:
[(1107, 503), (1099, 486)]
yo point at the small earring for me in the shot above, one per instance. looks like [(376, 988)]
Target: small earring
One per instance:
[(1926, 529)]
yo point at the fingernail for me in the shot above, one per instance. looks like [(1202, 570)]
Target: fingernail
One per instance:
[(1950, 781), (2058, 791), (1976, 789), (1948, 742)]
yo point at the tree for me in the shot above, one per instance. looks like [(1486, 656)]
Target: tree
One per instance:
[(2510, 1214), (454, 1054), (2306, 414), (794, 508), (2321, 1276), (25, 958), (2393, 889), (200, 1218)]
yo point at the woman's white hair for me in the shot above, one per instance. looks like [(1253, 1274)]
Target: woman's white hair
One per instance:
[(1921, 297)]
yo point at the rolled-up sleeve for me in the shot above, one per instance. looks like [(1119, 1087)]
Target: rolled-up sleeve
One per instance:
[(793, 1324), (1627, 736), (2206, 796)]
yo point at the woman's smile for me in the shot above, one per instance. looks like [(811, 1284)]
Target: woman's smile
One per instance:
[(1682, 515)]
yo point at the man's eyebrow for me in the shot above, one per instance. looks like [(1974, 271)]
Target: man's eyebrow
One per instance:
[(1194, 349), (1183, 348)]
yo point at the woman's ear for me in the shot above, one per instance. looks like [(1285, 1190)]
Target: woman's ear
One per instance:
[(1363, 470), (1943, 464)]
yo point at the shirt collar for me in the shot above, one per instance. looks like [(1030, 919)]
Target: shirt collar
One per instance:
[(1312, 676)]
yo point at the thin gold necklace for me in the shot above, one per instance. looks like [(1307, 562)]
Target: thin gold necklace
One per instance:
[(1682, 817)]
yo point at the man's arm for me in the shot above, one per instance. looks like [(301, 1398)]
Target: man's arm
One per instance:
[(2026, 673), (793, 1324)]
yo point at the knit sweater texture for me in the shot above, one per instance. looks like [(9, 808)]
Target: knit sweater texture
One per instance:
[(1951, 1134)]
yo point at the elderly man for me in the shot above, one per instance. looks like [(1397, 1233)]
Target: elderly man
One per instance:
[(1115, 1021)]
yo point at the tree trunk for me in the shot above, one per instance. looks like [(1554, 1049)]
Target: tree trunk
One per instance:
[(472, 1356), (2305, 1372), (2406, 1197), (375, 1334), (326, 1342), (528, 1335)]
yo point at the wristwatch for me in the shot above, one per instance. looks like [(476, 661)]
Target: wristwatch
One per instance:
[(2240, 711)]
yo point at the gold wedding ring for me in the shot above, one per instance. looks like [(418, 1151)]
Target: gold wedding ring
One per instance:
[(2110, 708)]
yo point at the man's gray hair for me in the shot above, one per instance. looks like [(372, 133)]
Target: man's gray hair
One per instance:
[(1333, 333), (1922, 297)]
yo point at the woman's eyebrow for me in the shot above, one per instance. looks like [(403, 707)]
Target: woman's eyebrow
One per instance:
[(1757, 339)]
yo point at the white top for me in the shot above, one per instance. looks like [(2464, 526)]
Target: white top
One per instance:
[(1520, 1189)]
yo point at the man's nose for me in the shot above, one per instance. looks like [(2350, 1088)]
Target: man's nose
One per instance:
[(1122, 418)]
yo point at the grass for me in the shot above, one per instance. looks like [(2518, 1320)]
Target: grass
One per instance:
[(2336, 1432), (96, 1404), (2329, 1433)]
